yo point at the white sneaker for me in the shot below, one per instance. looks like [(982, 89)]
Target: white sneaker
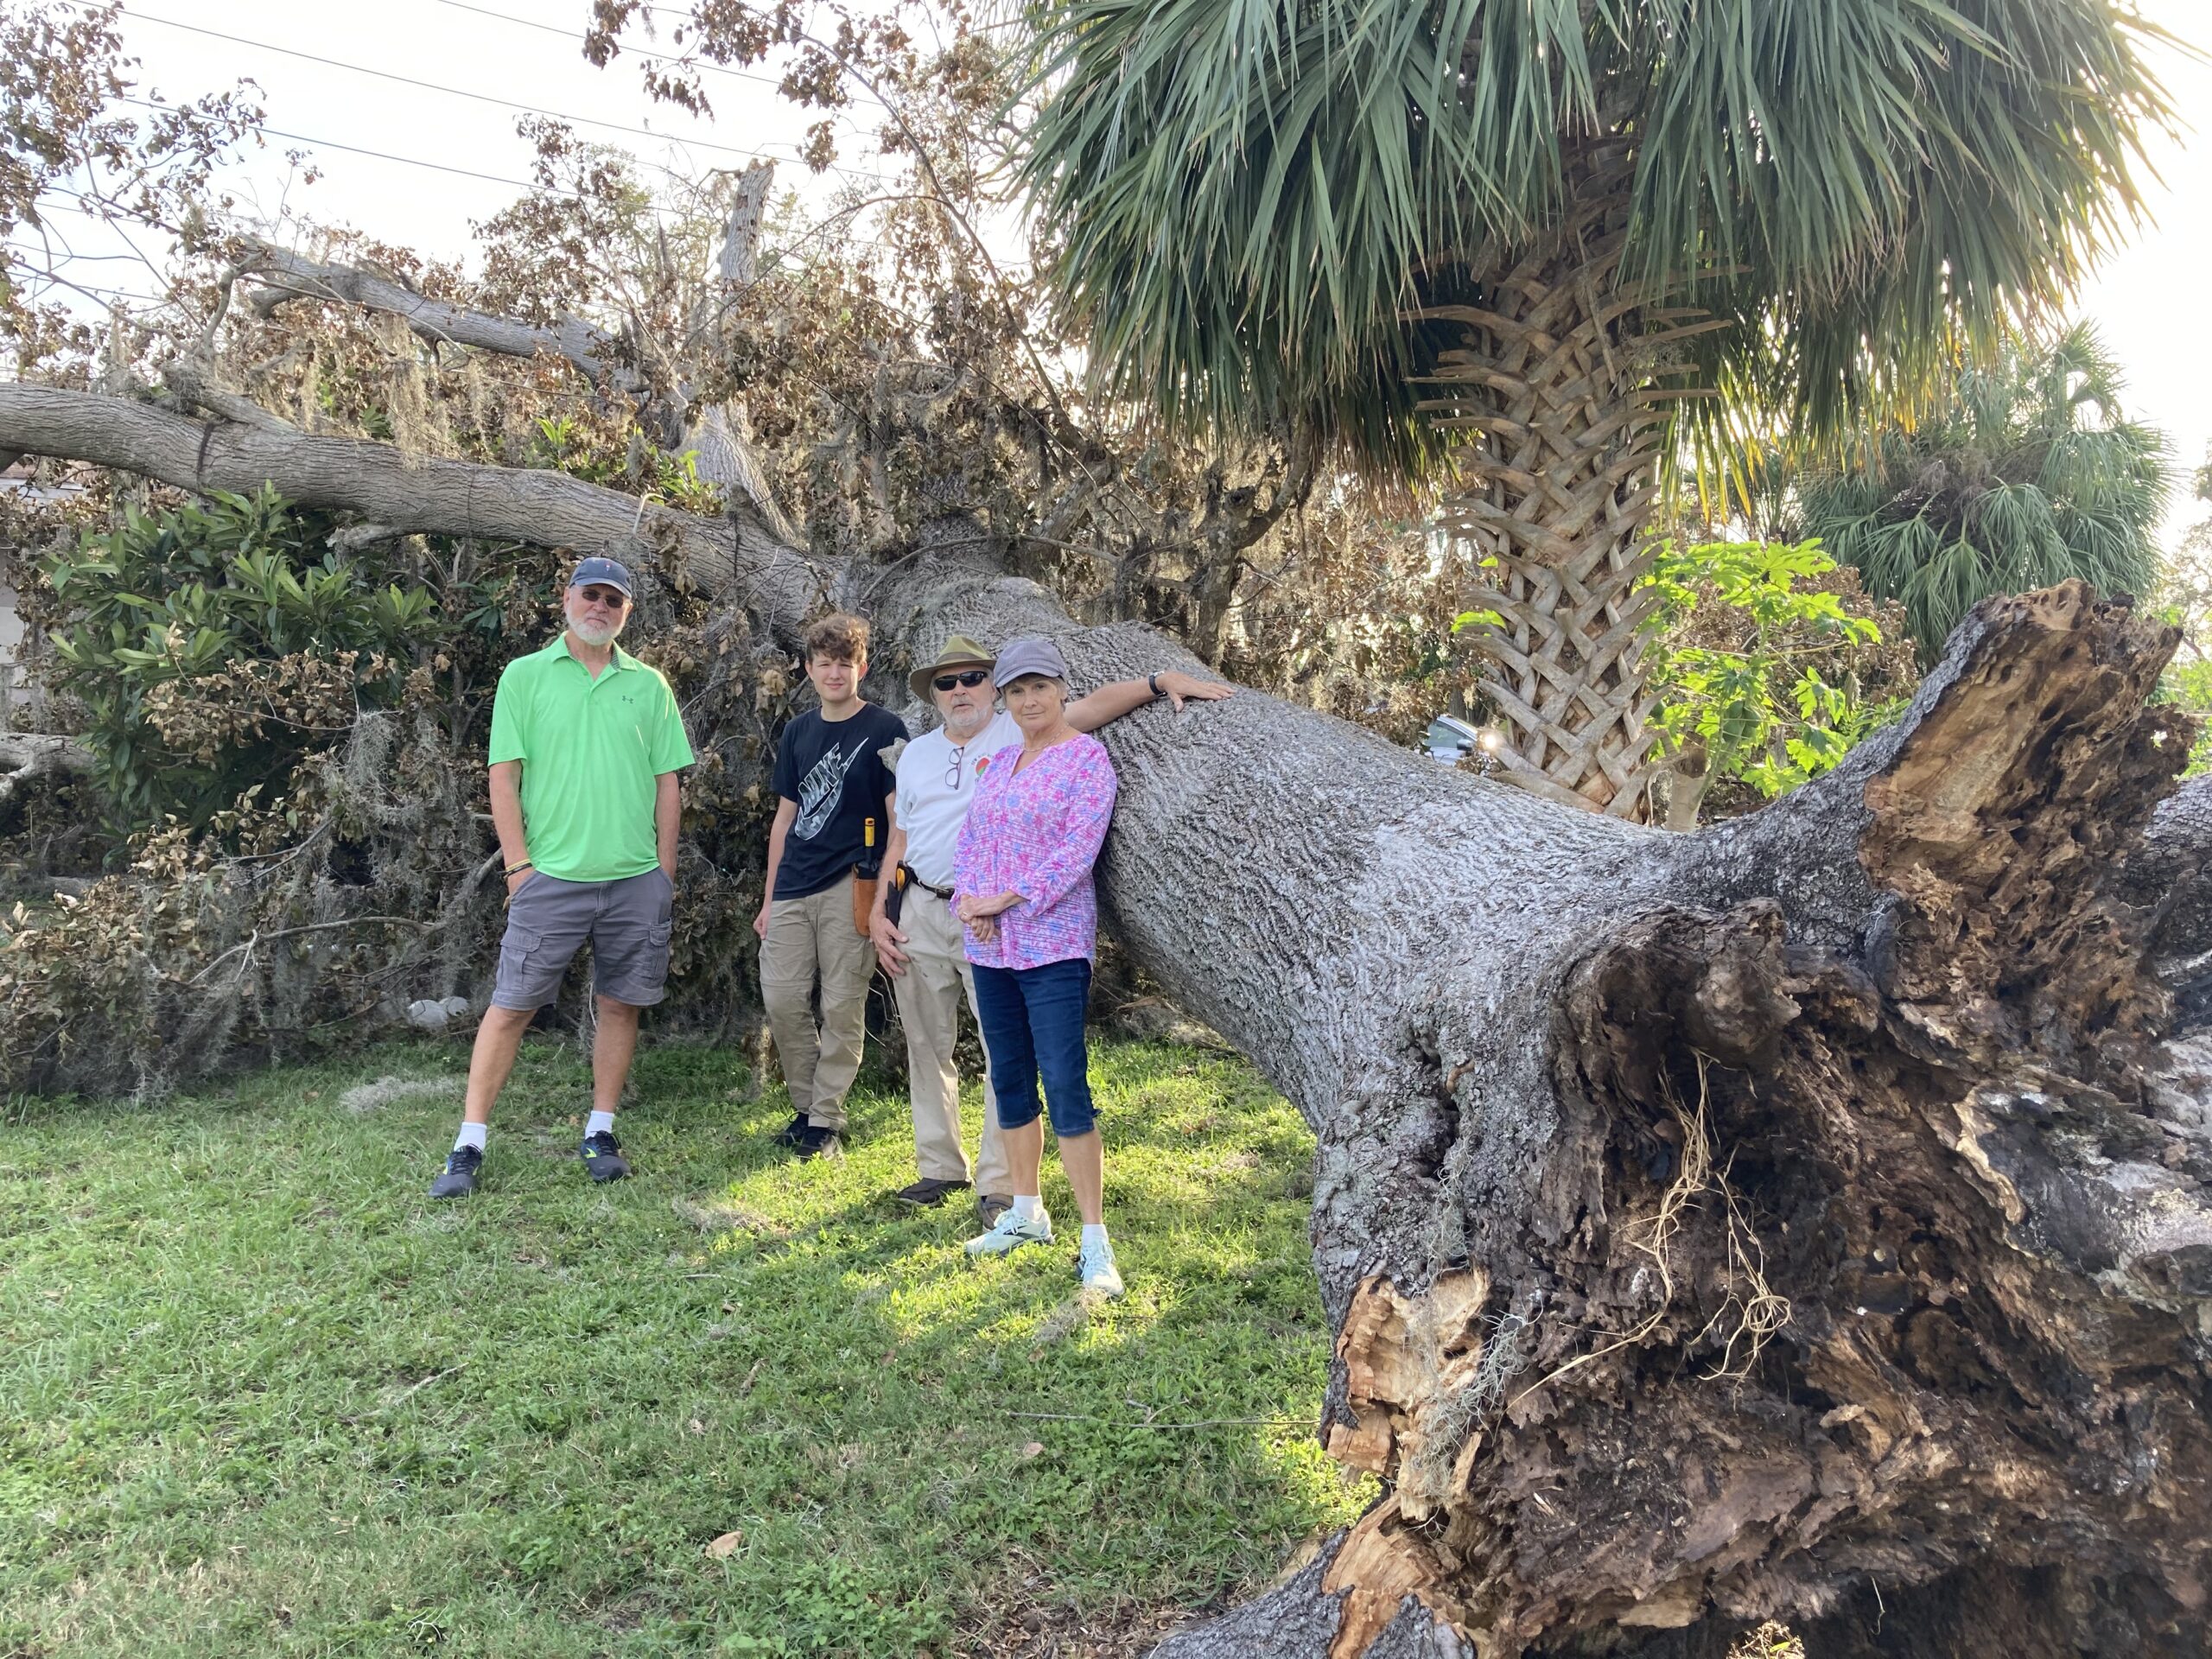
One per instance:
[(1094, 1267), (1010, 1231)]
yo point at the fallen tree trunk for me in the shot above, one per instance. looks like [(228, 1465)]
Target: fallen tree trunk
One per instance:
[(397, 493), (1803, 1219), (1725, 1226)]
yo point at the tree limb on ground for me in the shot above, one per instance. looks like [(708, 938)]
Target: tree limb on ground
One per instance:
[(404, 493), (719, 435)]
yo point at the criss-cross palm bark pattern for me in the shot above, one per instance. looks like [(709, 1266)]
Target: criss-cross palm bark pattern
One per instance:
[(1552, 383)]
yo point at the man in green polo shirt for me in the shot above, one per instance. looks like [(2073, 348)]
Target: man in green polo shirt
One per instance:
[(586, 744)]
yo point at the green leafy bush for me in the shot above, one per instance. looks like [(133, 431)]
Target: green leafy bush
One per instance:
[(1767, 664), (620, 456), (2187, 685), (213, 644), (289, 839)]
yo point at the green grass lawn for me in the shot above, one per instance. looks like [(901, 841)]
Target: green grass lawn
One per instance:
[(260, 1395)]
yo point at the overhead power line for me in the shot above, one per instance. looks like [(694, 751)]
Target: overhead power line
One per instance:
[(417, 161), (385, 154), (450, 92), (519, 184), (48, 282), (65, 255), (635, 51)]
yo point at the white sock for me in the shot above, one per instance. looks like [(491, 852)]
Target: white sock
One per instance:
[(598, 1123), (472, 1134), (1028, 1209), (1094, 1232)]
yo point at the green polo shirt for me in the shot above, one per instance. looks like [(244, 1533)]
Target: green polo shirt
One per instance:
[(590, 750)]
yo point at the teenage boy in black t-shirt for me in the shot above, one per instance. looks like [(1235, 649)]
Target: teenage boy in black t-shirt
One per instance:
[(833, 779)]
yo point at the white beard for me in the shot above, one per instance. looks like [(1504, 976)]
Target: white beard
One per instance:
[(592, 634)]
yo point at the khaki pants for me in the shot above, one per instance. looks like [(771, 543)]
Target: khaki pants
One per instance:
[(807, 938), (929, 993)]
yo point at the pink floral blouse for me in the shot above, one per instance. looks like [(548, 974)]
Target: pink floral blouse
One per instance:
[(1037, 832)]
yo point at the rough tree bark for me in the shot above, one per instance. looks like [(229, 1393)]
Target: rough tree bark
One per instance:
[(1805, 1219), (26, 757), (1553, 378)]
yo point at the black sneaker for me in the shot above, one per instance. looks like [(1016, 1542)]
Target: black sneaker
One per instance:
[(602, 1156), (460, 1179), (990, 1207), (793, 1133), (929, 1191), (816, 1143)]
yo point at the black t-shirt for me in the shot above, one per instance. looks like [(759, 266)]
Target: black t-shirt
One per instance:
[(835, 771)]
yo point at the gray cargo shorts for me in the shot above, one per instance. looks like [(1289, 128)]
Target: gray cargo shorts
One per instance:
[(548, 919)]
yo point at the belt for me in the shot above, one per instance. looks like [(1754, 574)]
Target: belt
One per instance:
[(944, 893)]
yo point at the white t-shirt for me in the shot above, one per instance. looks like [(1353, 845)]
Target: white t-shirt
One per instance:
[(934, 792)]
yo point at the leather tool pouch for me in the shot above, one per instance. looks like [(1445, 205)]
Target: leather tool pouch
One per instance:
[(894, 902), (863, 900)]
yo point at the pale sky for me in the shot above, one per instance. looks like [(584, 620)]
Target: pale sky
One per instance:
[(2148, 300), (530, 53)]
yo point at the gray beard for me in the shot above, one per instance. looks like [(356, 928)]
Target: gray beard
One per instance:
[(594, 637)]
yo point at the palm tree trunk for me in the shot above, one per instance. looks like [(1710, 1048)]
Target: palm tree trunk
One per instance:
[(1553, 379)]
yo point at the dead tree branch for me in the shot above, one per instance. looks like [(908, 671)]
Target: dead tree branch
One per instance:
[(403, 493), (290, 277)]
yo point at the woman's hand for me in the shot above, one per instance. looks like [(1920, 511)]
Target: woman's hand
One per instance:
[(980, 915), (974, 909)]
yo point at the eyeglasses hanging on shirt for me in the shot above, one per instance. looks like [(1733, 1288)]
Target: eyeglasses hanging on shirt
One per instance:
[(952, 773)]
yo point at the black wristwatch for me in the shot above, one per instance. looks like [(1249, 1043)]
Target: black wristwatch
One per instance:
[(1153, 680)]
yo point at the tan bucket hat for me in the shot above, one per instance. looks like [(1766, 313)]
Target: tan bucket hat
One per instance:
[(958, 651)]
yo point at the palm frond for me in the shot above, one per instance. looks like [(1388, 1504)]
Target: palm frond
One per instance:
[(2026, 473), (1251, 196)]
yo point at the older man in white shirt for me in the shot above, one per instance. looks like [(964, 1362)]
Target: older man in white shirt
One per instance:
[(922, 950)]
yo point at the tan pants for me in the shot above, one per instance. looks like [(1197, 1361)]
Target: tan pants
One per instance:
[(929, 993), (807, 938)]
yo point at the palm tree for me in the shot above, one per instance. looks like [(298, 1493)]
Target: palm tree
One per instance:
[(2026, 473), (1531, 250)]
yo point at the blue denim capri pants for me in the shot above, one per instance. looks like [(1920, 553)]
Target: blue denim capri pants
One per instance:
[(1032, 1024)]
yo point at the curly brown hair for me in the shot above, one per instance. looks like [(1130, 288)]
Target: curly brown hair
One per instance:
[(839, 636)]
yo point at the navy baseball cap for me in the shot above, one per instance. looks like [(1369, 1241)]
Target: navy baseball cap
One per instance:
[(610, 573)]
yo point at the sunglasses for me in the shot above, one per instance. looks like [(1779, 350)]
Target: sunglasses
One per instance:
[(966, 677), (613, 598)]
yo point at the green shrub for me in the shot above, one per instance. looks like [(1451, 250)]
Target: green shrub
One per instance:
[(215, 645), (1767, 665)]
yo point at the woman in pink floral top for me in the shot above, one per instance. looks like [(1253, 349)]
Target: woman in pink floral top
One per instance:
[(1022, 887)]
